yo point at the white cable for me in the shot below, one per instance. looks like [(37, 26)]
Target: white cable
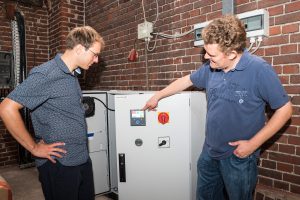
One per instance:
[(259, 39), (148, 40), (252, 41), (173, 36), (144, 10), (157, 12), (165, 36)]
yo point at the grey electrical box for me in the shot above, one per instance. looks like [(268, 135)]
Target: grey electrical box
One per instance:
[(198, 34), (5, 69), (256, 24), (198, 31)]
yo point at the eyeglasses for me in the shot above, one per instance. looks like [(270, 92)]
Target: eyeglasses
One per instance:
[(95, 54)]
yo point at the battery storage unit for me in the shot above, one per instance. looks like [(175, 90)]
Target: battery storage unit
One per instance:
[(157, 151), (102, 139), (98, 140)]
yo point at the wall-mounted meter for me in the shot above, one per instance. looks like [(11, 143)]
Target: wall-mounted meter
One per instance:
[(256, 24), (137, 118)]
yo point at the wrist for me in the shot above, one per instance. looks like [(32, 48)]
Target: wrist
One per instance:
[(254, 144), (33, 148)]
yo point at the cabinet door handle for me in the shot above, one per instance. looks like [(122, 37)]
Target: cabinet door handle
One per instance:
[(122, 168)]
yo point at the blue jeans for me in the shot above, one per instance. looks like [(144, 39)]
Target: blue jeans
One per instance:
[(231, 178)]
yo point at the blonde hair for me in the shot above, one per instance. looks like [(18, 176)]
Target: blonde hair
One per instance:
[(228, 32), (84, 35)]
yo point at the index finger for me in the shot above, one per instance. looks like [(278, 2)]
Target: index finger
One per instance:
[(55, 144), (145, 107), (149, 108)]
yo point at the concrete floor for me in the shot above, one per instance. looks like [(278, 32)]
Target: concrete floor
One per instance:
[(25, 184)]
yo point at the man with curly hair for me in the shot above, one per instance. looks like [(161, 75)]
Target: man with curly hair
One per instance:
[(238, 86), (52, 93)]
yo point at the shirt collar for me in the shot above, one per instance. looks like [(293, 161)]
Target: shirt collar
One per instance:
[(243, 62), (61, 65)]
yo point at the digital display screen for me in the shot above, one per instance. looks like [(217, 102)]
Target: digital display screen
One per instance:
[(137, 118), (137, 114)]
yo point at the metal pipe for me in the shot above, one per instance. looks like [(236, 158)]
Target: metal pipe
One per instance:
[(228, 7)]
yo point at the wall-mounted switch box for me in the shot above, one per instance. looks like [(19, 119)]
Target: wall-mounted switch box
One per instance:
[(256, 24), (144, 30), (198, 30)]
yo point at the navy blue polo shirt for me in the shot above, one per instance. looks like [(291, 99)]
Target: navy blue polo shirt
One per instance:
[(236, 101), (53, 95)]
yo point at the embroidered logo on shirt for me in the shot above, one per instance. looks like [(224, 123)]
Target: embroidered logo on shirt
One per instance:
[(229, 92), (241, 95)]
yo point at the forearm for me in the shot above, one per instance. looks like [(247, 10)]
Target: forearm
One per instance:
[(279, 118), (177, 86), (15, 125)]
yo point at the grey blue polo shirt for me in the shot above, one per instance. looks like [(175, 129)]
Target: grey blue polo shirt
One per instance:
[(53, 95), (236, 101)]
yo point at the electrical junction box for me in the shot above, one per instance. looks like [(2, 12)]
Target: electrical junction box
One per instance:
[(144, 30), (256, 24), (198, 31)]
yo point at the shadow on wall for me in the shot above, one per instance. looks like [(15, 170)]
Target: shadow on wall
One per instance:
[(268, 144), (91, 78), (202, 55), (203, 60)]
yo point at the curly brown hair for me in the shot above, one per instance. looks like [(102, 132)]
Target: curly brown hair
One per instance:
[(228, 32), (84, 35)]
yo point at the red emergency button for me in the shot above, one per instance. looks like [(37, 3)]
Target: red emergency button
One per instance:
[(163, 117)]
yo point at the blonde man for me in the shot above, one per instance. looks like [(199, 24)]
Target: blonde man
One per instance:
[(52, 93)]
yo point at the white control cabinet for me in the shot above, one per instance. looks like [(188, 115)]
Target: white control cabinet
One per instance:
[(157, 151)]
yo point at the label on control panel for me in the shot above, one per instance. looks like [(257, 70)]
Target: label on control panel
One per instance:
[(137, 118)]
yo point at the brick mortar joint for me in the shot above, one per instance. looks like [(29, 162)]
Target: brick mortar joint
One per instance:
[(274, 192)]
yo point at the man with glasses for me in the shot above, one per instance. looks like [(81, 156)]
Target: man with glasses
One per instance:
[(52, 93)]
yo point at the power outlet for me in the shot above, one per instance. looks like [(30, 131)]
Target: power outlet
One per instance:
[(144, 30)]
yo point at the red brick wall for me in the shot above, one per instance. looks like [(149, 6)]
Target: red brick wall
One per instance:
[(37, 52), (8, 155), (173, 58), (63, 16), (280, 160), (45, 35)]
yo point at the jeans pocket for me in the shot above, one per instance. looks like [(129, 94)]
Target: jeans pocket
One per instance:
[(239, 176), (238, 159)]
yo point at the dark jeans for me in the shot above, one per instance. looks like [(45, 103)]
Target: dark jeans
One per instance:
[(61, 182), (231, 178)]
